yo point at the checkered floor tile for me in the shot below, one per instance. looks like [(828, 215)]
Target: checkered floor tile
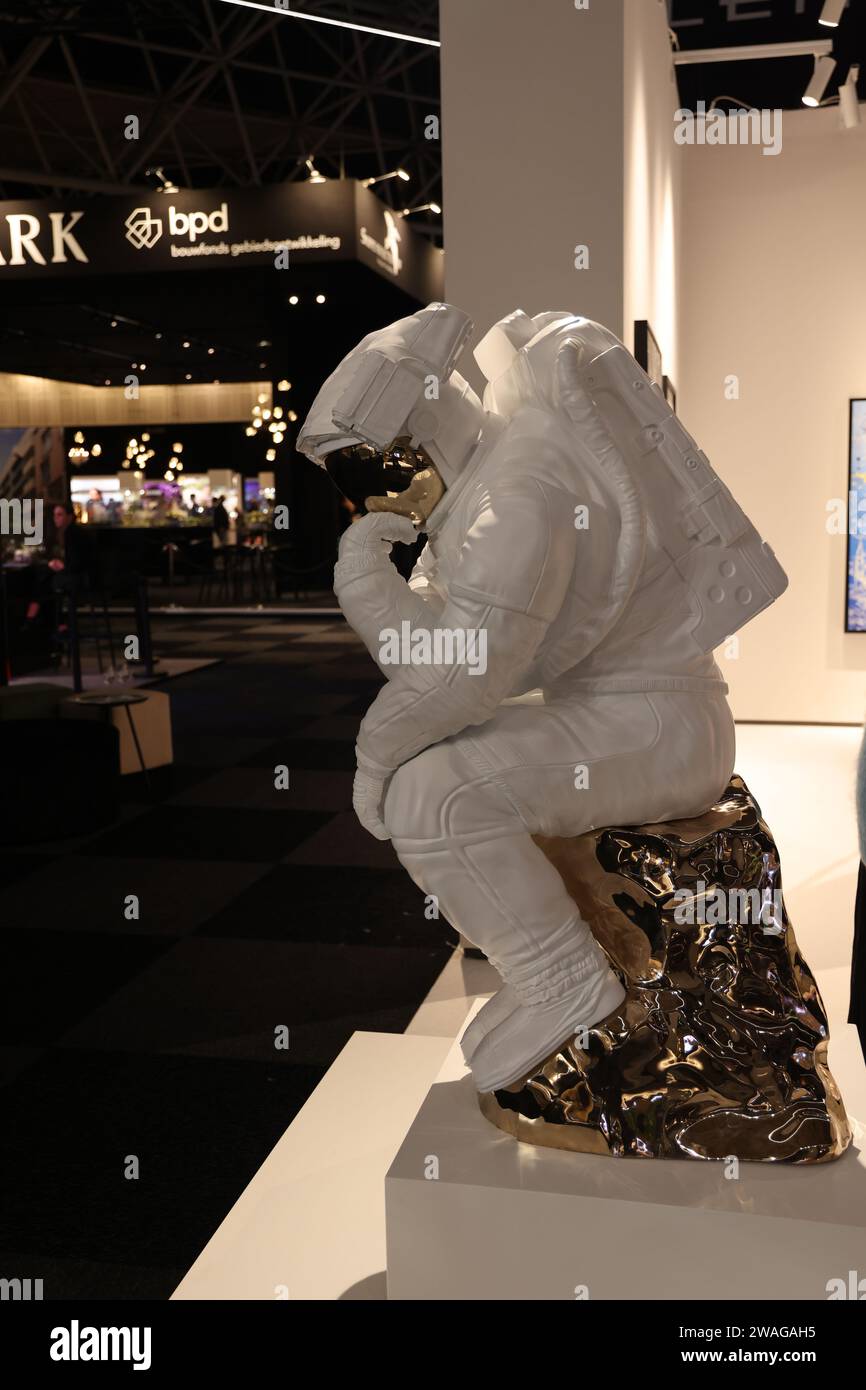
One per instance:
[(149, 1030)]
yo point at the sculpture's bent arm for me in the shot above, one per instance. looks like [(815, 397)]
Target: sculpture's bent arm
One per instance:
[(372, 594), (516, 564)]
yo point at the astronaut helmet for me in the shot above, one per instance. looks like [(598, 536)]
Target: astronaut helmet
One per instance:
[(394, 424)]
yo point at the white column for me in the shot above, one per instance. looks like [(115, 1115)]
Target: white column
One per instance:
[(532, 137)]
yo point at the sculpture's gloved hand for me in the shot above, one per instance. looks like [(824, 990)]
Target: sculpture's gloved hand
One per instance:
[(368, 797), (367, 543)]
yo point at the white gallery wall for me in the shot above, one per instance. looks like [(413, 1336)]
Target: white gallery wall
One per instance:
[(652, 177), (773, 256)]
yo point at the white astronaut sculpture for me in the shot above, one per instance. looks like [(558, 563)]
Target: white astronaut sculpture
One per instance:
[(580, 546)]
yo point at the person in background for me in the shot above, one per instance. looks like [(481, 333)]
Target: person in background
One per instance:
[(96, 509), (66, 557), (857, 1009), (220, 520)]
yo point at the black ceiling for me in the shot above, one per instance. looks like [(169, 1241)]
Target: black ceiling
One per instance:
[(224, 95), (777, 82), (227, 95)]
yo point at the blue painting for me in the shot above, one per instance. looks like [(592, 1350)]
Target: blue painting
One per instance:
[(856, 601)]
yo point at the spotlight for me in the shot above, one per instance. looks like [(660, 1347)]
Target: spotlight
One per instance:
[(210, 352), (422, 207), (166, 184), (284, 385), (825, 66), (185, 343), (320, 299), (108, 381), (380, 178), (848, 103), (96, 450), (176, 448), (114, 323), (188, 376), (315, 176), (145, 439), (293, 299), (832, 13), (265, 343), (249, 431), (271, 455)]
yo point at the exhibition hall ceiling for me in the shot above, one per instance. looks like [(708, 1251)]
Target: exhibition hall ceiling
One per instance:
[(228, 96), (224, 94), (775, 82), (232, 95)]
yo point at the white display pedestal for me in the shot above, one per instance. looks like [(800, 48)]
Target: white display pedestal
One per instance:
[(472, 1214)]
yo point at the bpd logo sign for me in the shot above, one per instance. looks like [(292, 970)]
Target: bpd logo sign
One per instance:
[(143, 229)]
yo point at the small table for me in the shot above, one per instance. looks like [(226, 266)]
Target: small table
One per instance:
[(118, 699)]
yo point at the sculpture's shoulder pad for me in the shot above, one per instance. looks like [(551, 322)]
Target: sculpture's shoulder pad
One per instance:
[(519, 548)]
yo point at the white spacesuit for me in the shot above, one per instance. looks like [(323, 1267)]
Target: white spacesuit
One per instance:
[(585, 538)]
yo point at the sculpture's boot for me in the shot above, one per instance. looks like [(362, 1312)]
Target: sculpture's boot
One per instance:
[(544, 1018), (497, 1008)]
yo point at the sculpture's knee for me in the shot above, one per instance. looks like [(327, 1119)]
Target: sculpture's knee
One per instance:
[(439, 797), (416, 794)]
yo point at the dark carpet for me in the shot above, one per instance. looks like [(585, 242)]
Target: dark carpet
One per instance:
[(143, 1086)]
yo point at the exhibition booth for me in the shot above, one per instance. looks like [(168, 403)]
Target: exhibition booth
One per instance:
[(166, 412), (514, 952)]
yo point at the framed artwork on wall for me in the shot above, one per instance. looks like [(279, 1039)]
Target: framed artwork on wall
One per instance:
[(647, 352), (855, 594)]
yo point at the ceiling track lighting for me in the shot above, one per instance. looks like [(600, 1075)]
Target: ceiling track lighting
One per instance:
[(743, 52), (832, 13), (286, 13), (825, 66), (849, 105), (422, 207), (381, 178)]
